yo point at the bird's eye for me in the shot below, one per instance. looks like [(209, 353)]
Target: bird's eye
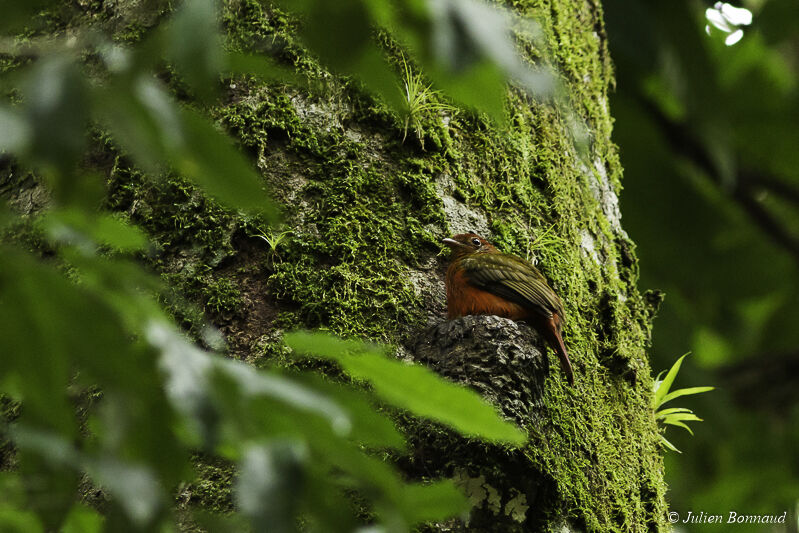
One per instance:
[(477, 242)]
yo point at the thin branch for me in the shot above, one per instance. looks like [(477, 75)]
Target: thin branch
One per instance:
[(684, 143), (784, 190)]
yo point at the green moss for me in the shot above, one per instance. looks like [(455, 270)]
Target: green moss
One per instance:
[(213, 489)]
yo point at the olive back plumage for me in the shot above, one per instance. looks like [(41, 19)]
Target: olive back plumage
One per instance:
[(512, 278)]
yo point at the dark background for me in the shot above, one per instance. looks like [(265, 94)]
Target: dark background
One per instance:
[(708, 138)]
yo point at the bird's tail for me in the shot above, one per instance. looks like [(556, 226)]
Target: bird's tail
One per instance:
[(563, 355), (556, 341)]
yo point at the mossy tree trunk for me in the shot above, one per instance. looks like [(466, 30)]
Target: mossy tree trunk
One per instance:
[(366, 210), (359, 255)]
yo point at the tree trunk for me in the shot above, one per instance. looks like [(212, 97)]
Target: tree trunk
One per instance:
[(359, 255), (366, 211)]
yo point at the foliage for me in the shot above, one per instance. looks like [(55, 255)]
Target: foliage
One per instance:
[(674, 416), (100, 385)]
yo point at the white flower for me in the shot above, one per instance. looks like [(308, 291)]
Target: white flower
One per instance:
[(728, 19)]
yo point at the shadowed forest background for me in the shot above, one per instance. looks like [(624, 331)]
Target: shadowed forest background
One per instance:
[(185, 184)]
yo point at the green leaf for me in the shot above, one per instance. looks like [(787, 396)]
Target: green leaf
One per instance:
[(190, 370), (683, 416), (66, 225), (157, 131), (121, 283), (665, 412), (218, 523), (330, 509), (668, 445), (211, 160), (270, 485), (141, 118), (433, 502), (133, 487), (685, 392), (370, 427), (199, 60), (344, 47), (679, 424), (411, 387), (466, 31), (119, 234), (480, 87), (13, 520), (664, 385), (15, 132), (56, 102), (49, 324), (82, 519)]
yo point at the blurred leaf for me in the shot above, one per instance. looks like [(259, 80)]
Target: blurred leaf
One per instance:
[(5, 215), (14, 520), (15, 132), (475, 55), (199, 60), (48, 324), (56, 103), (158, 131), (218, 523), (434, 502), (82, 519), (119, 234), (134, 487), (343, 48), (411, 387), (370, 428), (464, 32), (480, 87), (63, 226), (376, 75), (210, 158), (712, 349), (270, 485), (330, 510), (121, 283), (139, 118), (188, 370)]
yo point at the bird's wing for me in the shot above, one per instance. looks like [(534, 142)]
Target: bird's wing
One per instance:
[(514, 279)]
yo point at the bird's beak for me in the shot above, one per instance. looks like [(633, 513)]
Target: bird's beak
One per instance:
[(452, 243)]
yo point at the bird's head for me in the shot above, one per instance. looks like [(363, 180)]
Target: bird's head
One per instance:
[(468, 243)]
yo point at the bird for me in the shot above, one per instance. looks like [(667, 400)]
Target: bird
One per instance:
[(481, 280)]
